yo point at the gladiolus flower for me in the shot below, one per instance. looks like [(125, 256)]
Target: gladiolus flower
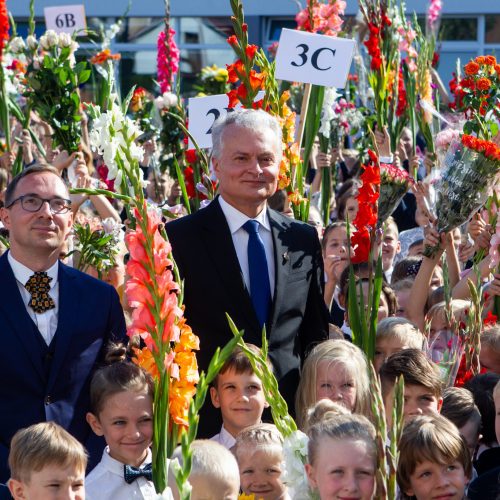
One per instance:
[(233, 41), (250, 51), (490, 60), (145, 359)]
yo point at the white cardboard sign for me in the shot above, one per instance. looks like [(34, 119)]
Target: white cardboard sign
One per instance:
[(65, 18), (203, 111), (311, 58)]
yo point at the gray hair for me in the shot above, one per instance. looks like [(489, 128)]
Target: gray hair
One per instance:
[(252, 119)]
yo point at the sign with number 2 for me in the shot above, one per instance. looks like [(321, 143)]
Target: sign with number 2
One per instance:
[(310, 58)]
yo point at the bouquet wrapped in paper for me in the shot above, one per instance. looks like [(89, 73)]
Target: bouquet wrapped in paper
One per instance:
[(470, 171), (394, 184)]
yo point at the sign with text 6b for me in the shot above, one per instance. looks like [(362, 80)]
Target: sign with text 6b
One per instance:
[(311, 58), (65, 18)]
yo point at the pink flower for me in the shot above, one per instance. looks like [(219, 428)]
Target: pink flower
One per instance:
[(495, 248), (434, 11), (167, 60)]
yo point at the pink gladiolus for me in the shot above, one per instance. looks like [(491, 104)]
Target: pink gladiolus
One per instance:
[(137, 293), (137, 270), (167, 60), (135, 243), (434, 11), (495, 248)]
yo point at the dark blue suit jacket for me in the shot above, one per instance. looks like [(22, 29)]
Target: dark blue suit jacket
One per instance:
[(90, 315)]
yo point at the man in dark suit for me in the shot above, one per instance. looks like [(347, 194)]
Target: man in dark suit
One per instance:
[(240, 257), (54, 320)]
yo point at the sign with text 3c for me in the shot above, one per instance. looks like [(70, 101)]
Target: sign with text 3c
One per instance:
[(65, 18), (203, 111), (310, 58)]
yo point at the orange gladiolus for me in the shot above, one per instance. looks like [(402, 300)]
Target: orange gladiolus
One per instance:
[(103, 56), (250, 51), (188, 367), (256, 80), (235, 71), (145, 359)]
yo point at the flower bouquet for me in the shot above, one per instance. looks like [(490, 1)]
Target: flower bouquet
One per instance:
[(54, 79), (394, 184), (142, 108), (212, 81), (472, 165)]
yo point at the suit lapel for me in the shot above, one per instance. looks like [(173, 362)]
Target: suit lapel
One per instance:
[(220, 248), (281, 261), (14, 310), (69, 305)]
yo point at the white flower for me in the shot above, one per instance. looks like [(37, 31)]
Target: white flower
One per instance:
[(65, 40), (32, 42), (328, 112), (167, 100), (49, 39), (294, 473), (17, 45)]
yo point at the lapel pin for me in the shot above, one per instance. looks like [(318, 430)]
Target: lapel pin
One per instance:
[(285, 257)]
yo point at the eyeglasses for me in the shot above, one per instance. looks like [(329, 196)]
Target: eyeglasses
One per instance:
[(32, 203)]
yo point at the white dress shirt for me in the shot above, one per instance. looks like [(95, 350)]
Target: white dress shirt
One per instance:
[(47, 321), (107, 482), (235, 220), (224, 438)]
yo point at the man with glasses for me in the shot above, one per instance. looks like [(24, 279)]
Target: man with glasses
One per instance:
[(54, 321)]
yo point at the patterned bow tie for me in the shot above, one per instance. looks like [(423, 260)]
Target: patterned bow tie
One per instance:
[(38, 286), (132, 473)]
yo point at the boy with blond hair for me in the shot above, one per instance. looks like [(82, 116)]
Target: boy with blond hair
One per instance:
[(238, 392), (214, 472), (45, 460)]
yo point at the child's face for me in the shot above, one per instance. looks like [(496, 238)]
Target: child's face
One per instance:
[(343, 469), (402, 297), (430, 481), (126, 422), (386, 347), (337, 242), (335, 381), (419, 400), (240, 398), (390, 247), (489, 359), (53, 482), (470, 433), (351, 208), (260, 473)]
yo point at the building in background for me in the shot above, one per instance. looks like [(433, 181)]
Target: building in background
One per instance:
[(468, 29)]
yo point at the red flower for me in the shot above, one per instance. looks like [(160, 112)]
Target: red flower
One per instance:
[(471, 68), (360, 241), (233, 41), (190, 156), (233, 98), (256, 80), (490, 319), (189, 181), (250, 51), (4, 26), (435, 59), (367, 214), (402, 104), (490, 60), (235, 71), (483, 84)]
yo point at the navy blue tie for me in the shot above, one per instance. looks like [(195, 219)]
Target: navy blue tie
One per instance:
[(130, 474), (260, 289)]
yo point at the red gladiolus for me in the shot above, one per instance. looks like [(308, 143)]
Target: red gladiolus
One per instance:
[(490, 319), (189, 181), (250, 51), (402, 103), (235, 71), (360, 240), (256, 80), (233, 98), (233, 41), (4, 26), (190, 156), (244, 27)]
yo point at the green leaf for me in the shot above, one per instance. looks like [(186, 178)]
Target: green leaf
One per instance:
[(80, 67), (84, 76), (48, 62), (63, 76)]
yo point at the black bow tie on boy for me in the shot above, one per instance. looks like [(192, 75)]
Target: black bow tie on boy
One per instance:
[(132, 473)]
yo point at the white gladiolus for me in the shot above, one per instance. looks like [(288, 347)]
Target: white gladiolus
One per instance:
[(17, 45), (167, 100), (111, 136), (294, 474), (65, 40), (331, 95), (49, 39), (32, 42)]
